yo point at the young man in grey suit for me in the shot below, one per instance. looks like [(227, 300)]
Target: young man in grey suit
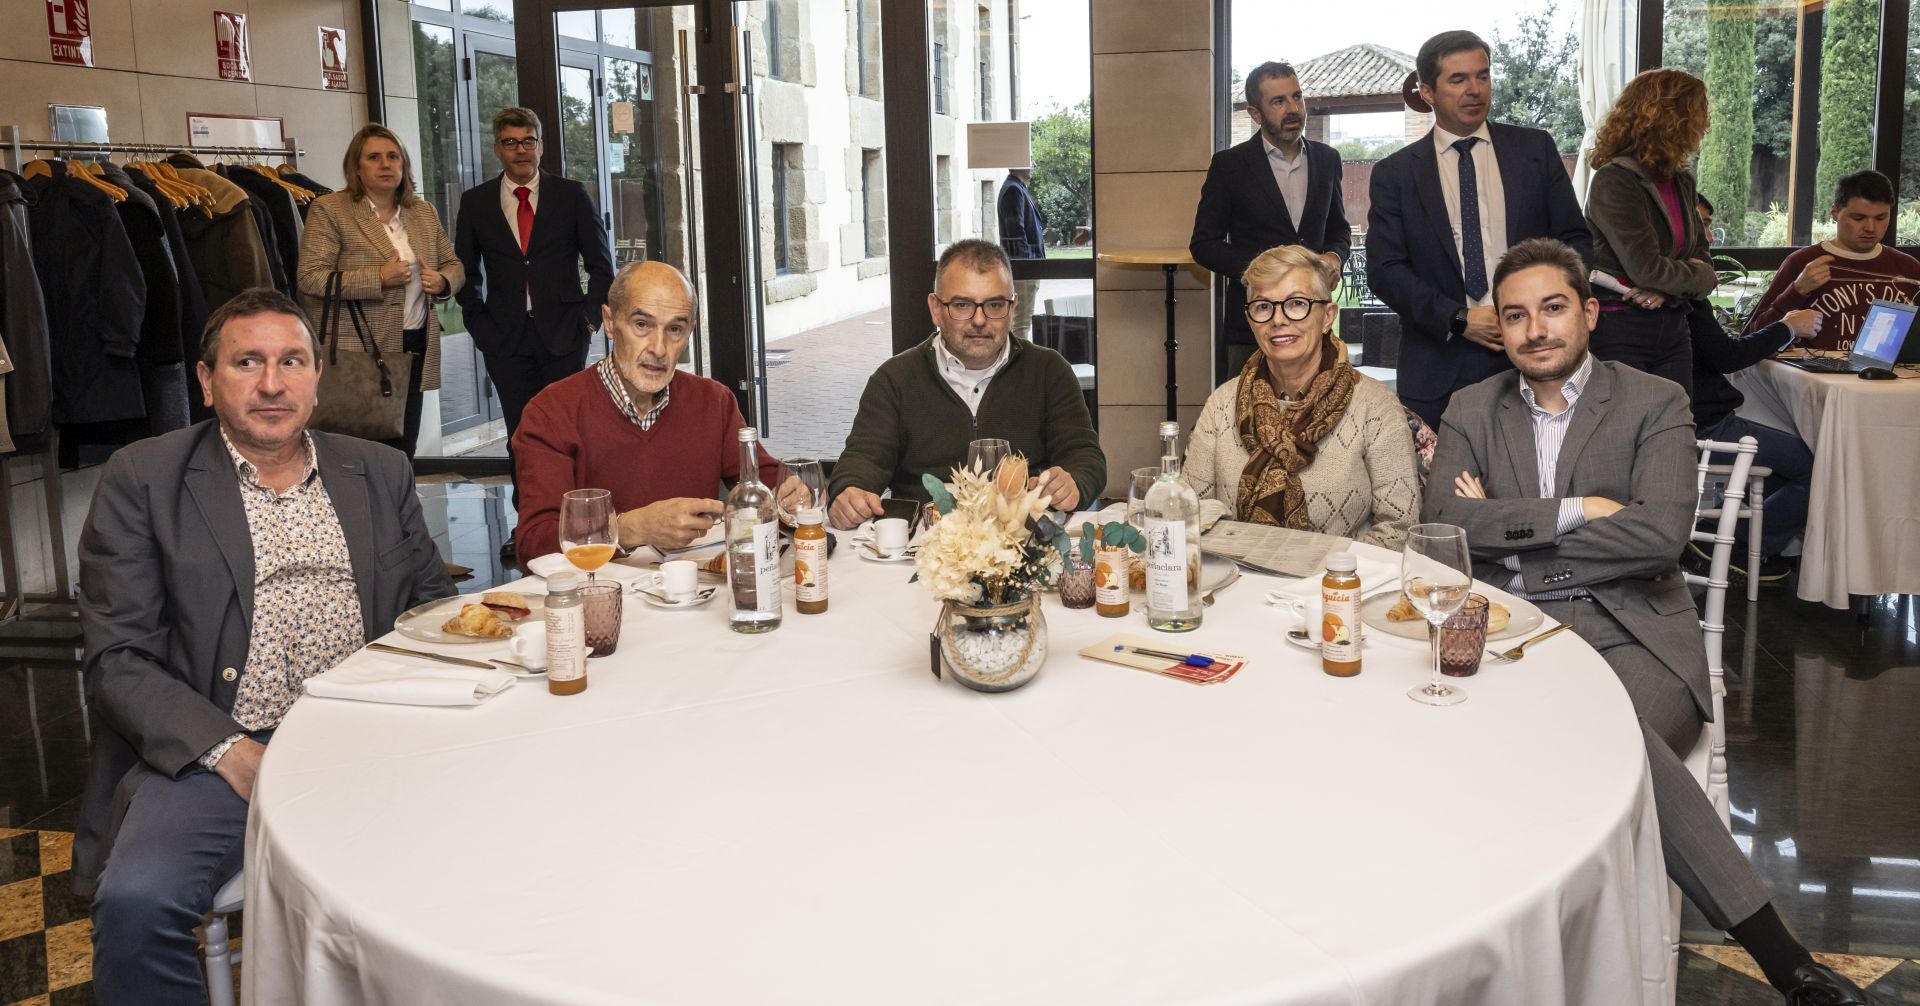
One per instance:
[(1574, 481), (220, 567)]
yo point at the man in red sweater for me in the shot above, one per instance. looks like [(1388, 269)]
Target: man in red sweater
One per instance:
[(662, 441), (1842, 277)]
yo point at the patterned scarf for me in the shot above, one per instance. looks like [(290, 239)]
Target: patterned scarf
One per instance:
[(1281, 442)]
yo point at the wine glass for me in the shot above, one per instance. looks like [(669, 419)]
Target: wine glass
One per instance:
[(1436, 574), (802, 486), (587, 531), (985, 455), (1138, 484)]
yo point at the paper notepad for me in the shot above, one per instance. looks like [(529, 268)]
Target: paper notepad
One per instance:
[(1113, 650)]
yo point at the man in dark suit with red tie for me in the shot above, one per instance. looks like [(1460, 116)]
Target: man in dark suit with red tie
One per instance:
[(1445, 208), (523, 237), (1278, 188)]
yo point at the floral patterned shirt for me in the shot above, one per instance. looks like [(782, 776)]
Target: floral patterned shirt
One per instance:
[(306, 613)]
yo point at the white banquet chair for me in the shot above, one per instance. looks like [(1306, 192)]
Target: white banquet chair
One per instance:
[(1708, 759), (218, 940)]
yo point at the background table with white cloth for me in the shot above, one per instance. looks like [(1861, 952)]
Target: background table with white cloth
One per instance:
[(1863, 520), (809, 816)]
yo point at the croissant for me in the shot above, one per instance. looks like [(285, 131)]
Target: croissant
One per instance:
[(477, 620)]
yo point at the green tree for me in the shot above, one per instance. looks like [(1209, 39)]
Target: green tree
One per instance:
[(1727, 151), (1062, 180), (1849, 60), (1536, 76)]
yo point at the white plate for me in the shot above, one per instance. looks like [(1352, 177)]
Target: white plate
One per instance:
[(554, 562), (1523, 617), (866, 552), (424, 621)]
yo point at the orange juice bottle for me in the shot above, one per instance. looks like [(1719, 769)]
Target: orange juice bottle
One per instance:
[(810, 562), (1112, 592), (1340, 616)]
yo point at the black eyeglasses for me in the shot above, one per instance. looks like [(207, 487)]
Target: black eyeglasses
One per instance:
[(1295, 308), (519, 142), (961, 309)]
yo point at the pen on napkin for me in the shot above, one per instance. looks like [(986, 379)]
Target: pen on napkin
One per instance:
[(1190, 659)]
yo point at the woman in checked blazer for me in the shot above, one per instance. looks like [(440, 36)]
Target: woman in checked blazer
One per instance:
[(394, 257)]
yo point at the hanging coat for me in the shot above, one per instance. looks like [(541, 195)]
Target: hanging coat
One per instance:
[(95, 295), (23, 313)]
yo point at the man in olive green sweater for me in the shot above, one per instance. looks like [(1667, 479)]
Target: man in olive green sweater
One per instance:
[(967, 382)]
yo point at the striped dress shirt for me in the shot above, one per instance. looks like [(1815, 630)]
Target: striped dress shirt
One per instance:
[(1549, 434)]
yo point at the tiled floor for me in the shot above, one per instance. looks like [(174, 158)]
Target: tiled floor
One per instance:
[(1823, 731)]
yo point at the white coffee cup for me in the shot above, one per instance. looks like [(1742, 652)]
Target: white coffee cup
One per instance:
[(890, 536), (679, 579), (529, 646)]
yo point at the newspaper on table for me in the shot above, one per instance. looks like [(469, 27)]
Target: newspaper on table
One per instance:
[(1271, 549)]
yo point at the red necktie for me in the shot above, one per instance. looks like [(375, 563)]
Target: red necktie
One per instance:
[(521, 192)]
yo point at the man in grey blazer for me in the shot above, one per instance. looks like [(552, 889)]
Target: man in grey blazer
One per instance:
[(1574, 482), (221, 566)]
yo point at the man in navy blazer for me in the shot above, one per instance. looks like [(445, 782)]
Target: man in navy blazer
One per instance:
[(1428, 266), (523, 236), (1278, 188)]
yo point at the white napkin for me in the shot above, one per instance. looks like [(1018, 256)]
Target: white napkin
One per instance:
[(375, 679), (1375, 575)]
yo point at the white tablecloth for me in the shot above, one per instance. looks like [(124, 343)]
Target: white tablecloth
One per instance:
[(1863, 522), (808, 816)]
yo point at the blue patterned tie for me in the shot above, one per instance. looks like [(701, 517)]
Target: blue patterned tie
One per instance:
[(1473, 254)]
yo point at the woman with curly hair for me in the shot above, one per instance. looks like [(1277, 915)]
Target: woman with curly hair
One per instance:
[(1645, 232)]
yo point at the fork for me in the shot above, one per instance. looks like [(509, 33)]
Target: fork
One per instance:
[(1517, 652)]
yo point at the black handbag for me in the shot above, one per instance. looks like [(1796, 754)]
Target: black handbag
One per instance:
[(363, 392)]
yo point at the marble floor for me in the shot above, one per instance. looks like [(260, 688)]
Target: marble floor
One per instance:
[(1823, 753)]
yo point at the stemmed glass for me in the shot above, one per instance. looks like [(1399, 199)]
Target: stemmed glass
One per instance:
[(802, 487), (1437, 575), (984, 455), (587, 531)]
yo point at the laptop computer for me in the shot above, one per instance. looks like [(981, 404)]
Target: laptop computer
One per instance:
[(1882, 342)]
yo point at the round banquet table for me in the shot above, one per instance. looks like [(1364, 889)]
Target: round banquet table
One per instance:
[(809, 816)]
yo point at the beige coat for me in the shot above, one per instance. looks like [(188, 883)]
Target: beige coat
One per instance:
[(343, 234)]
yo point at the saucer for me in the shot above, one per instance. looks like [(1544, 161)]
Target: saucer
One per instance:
[(701, 596), (867, 552)]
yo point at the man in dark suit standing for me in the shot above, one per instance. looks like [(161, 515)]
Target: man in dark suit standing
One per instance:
[(1574, 480), (220, 567), (1278, 188), (1445, 208), (523, 237)]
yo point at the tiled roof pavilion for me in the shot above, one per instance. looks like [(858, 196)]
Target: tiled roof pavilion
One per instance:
[(1359, 78)]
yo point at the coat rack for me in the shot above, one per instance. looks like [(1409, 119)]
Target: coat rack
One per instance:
[(59, 605)]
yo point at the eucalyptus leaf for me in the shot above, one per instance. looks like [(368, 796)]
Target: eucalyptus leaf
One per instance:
[(937, 492)]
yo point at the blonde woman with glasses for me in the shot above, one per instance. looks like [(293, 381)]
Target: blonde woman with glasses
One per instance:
[(1301, 439)]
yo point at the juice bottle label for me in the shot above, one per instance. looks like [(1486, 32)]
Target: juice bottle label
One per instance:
[(1110, 576), (810, 569), (566, 643), (1339, 624)]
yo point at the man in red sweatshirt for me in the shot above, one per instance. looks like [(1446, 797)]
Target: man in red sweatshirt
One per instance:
[(1841, 277), (661, 440)]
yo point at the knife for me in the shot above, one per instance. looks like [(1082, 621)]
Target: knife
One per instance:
[(462, 661)]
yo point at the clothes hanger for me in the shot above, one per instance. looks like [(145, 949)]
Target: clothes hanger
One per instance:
[(90, 174), (36, 168), (174, 197)]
